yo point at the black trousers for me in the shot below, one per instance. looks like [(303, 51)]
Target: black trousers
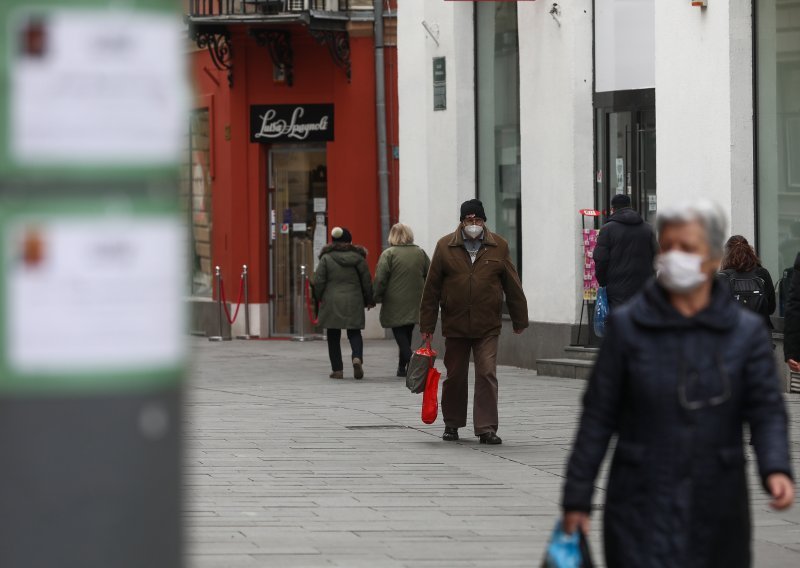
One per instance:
[(402, 335), (335, 349)]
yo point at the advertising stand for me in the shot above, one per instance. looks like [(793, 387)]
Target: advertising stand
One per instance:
[(590, 284), (92, 281)]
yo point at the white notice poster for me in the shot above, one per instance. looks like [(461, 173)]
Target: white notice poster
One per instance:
[(97, 87), (95, 294)]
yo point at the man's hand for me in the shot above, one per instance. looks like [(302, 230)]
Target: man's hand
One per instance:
[(427, 337), (575, 520), (794, 365), (518, 331), (782, 490)]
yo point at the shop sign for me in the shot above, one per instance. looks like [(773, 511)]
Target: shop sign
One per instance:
[(291, 123), (439, 84)]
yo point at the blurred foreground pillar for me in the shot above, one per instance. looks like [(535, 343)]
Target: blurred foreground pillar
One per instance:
[(92, 278)]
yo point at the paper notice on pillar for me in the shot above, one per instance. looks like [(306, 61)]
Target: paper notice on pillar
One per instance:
[(96, 87), (320, 240), (94, 295)]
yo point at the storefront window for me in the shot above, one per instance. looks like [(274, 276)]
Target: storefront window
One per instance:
[(778, 95), (196, 196), (497, 80)]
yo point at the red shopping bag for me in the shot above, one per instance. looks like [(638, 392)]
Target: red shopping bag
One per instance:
[(430, 397)]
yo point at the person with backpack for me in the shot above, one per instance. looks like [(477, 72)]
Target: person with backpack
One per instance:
[(750, 283)]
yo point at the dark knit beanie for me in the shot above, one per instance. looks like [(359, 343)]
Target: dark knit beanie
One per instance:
[(620, 201), (341, 235), (473, 207)]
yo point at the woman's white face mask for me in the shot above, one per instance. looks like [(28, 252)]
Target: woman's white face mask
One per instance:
[(680, 272)]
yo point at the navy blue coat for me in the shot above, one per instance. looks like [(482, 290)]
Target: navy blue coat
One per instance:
[(623, 257), (677, 391)]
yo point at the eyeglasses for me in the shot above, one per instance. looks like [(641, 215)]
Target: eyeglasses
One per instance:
[(473, 221)]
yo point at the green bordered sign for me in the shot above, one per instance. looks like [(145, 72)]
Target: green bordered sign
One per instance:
[(91, 89), (92, 247)]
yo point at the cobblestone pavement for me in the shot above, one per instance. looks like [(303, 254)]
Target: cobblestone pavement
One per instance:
[(287, 468)]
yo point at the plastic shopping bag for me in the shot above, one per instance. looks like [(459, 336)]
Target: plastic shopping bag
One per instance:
[(567, 550), (430, 397), (600, 313), (417, 373)]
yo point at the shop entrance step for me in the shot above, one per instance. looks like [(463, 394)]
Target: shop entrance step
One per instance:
[(583, 353), (567, 368)]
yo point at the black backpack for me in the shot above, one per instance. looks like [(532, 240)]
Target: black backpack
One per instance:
[(748, 289)]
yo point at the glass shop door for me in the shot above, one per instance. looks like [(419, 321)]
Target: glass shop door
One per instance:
[(298, 231)]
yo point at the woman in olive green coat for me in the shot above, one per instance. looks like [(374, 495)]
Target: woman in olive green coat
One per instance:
[(399, 280), (343, 287)]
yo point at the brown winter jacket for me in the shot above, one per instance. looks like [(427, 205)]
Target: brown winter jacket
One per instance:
[(471, 295)]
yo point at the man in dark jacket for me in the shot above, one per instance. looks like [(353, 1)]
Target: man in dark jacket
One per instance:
[(470, 273), (625, 251)]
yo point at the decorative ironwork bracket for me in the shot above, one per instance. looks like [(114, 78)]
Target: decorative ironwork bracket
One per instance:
[(218, 43), (279, 44), (338, 44)]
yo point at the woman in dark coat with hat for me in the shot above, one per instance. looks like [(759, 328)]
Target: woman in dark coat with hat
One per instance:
[(680, 372), (343, 286)]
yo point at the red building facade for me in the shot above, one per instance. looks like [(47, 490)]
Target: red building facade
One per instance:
[(283, 146)]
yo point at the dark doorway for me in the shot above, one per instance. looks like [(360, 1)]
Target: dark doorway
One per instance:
[(625, 149)]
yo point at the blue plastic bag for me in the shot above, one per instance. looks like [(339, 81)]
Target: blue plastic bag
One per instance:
[(600, 313), (563, 550)]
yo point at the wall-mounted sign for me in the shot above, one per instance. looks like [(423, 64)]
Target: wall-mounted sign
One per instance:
[(439, 84), (291, 123)]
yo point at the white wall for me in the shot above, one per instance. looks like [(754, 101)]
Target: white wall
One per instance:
[(437, 148), (625, 44), (557, 153), (704, 106)]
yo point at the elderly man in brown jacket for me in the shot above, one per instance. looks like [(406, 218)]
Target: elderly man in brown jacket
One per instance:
[(470, 272)]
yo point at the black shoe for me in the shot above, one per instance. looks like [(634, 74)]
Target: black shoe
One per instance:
[(450, 434), (401, 371), (490, 438)]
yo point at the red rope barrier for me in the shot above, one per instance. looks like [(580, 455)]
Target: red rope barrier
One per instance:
[(231, 320), (314, 321)]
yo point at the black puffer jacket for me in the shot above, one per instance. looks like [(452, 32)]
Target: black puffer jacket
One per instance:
[(676, 391), (791, 322), (624, 255)]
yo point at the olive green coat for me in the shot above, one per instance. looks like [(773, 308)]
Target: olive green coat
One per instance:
[(343, 286), (399, 280)]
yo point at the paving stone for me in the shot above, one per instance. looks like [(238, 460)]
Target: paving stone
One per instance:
[(288, 468)]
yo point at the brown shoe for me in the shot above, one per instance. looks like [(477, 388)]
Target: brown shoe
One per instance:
[(337, 375), (358, 369)]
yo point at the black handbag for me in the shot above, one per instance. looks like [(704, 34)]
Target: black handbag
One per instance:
[(417, 372)]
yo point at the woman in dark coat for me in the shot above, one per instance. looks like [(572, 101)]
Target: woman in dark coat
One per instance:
[(343, 286), (682, 368)]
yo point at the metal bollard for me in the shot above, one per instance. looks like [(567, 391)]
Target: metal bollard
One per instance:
[(219, 306), (300, 309), (246, 306)]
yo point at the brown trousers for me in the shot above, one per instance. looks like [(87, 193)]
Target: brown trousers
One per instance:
[(455, 389)]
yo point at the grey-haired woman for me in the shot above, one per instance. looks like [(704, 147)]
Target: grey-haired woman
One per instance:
[(680, 372)]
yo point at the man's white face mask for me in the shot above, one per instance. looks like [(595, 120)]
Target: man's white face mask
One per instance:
[(473, 231), (680, 272)]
